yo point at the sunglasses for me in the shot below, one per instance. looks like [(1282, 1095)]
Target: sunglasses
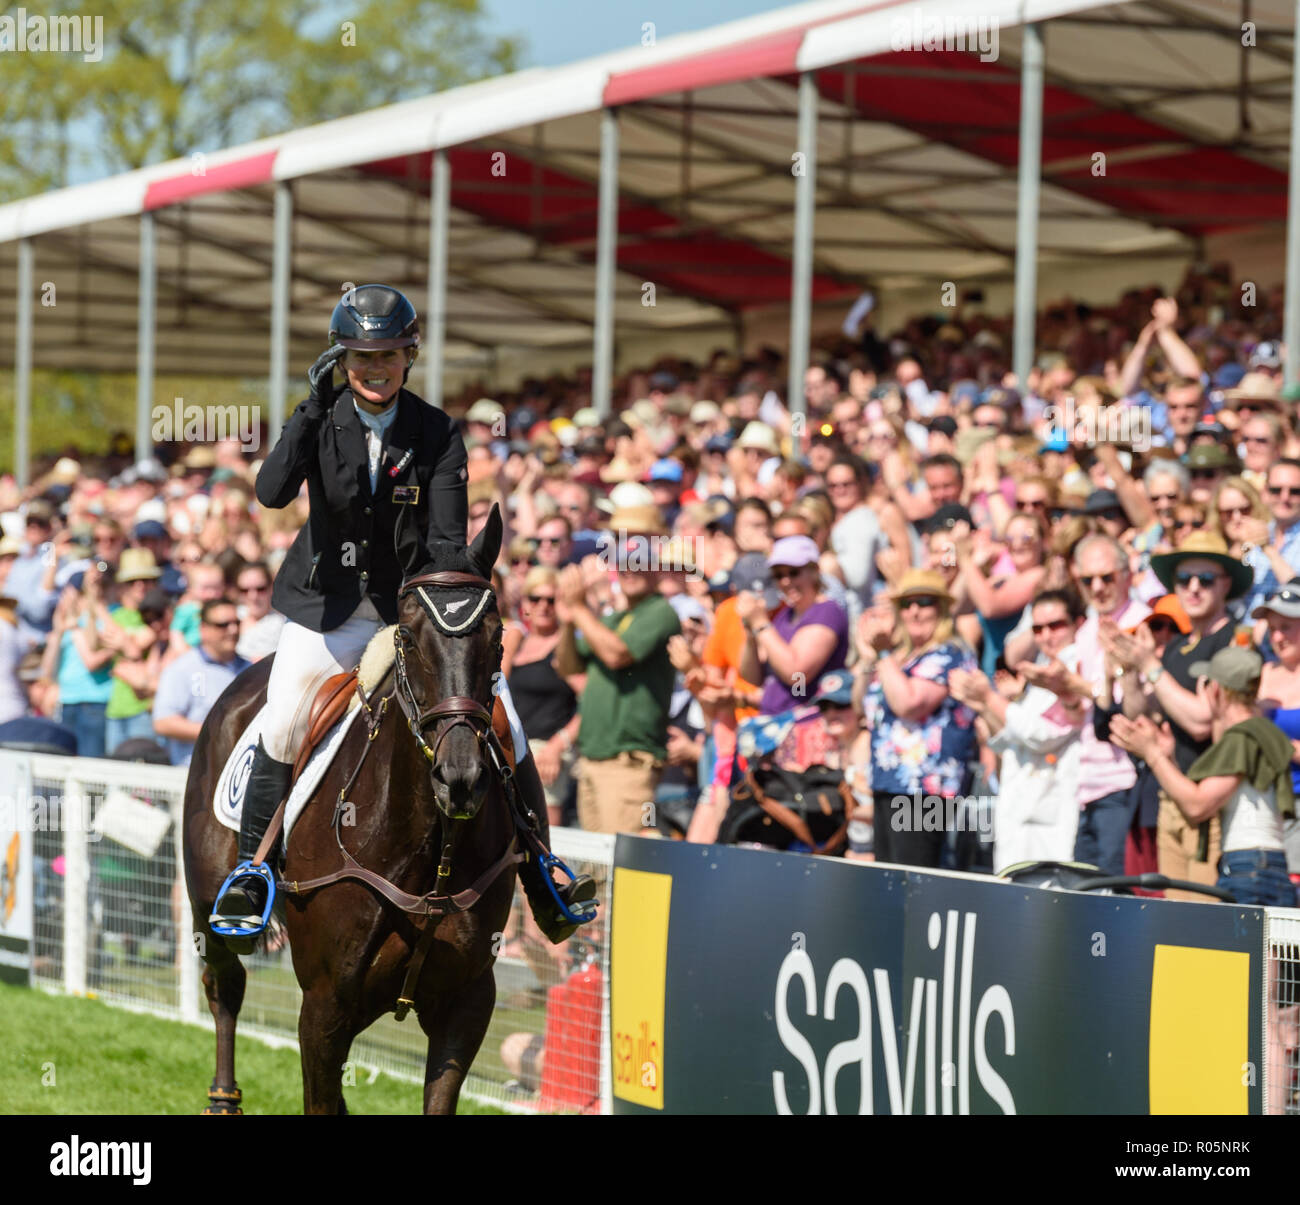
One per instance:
[(1054, 625), (1257, 439), (1188, 524), (254, 589), (541, 598), (1031, 504), (230, 623), (782, 572), (1162, 627), (1289, 491), (1105, 579), (550, 539), (918, 600), (1233, 512), (1205, 579)]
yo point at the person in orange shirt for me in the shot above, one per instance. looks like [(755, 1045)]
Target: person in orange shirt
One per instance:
[(725, 696)]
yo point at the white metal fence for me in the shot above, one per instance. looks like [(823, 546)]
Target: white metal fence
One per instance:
[(115, 923), (1282, 1011)]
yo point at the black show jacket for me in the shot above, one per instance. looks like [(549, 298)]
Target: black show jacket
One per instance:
[(347, 548)]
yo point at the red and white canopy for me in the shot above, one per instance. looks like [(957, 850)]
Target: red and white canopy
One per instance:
[(1164, 138)]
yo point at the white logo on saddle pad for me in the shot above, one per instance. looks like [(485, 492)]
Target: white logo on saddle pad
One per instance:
[(228, 800)]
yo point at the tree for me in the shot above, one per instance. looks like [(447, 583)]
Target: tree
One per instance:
[(179, 77)]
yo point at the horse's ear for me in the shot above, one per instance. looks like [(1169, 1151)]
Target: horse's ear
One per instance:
[(487, 544)]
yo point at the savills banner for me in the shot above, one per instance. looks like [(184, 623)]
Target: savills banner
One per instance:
[(751, 982)]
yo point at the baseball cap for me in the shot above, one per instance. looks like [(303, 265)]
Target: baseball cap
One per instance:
[(750, 572), (1236, 667), (948, 516), (1266, 355), (485, 410), (1101, 501), (587, 417), (1284, 601), (835, 689), (717, 443), (665, 470), (794, 551), (151, 529), (1057, 441), (688, 607), (704, 411)]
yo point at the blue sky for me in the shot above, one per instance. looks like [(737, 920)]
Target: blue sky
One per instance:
[(562, 31)]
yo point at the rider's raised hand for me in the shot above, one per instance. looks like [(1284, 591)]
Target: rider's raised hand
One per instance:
[(320, 376)]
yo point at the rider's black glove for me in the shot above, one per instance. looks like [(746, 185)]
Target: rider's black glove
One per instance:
[(321, 378)]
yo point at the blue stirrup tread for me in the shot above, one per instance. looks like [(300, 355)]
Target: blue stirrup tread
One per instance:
[(245, 870)]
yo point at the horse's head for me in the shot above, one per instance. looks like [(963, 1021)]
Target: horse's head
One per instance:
[(448, 662)]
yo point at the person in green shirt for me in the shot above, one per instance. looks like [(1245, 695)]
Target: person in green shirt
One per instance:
[(128, 711), (1245, 775), (623, 733)]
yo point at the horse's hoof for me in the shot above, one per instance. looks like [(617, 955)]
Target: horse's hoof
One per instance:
[(223, 1103), (241, 945)]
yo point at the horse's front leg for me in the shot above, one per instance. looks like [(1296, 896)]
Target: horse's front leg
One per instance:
[(325, 1036), (224, 979), (455, 1029)]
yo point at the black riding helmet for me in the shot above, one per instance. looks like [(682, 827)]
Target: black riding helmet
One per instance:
[(374, 318)]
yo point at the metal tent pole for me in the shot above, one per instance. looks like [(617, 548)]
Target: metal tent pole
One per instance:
[(23, 365), (805, 211), (145, 333), (606, 254), (1291, 317), (281, 284), (1031, 154), (435, 324)]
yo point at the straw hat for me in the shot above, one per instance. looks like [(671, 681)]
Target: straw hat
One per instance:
[(761, 436), (619, 469), (1256, 387), (922, 581), (637, 521), (1204, 546), (137, 565)]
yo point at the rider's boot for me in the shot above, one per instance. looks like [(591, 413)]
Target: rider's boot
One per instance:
[(244, 901), (533, 876)]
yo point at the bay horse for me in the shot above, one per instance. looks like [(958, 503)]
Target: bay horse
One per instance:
[(363, 923)]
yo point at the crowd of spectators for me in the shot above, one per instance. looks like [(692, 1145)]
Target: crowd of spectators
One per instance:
[(1070, 599)]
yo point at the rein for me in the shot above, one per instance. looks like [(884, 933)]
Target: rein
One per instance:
[(445, 715)]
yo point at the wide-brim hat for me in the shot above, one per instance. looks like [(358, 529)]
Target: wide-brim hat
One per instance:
[(1204, 546), (1258, 387), (759, 435), (137, 565), (637, 521), (619, 469), (921, 581)]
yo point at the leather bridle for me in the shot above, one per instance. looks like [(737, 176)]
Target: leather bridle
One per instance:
[(449, 713)]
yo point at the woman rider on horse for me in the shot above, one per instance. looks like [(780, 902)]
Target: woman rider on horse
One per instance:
[(367, 452)]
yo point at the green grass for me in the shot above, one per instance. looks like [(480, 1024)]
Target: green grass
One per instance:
[(105, 1060)]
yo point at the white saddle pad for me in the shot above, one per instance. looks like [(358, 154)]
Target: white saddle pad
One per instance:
[(228, 802)]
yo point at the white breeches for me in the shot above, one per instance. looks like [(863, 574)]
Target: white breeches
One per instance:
[(305, 659)]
